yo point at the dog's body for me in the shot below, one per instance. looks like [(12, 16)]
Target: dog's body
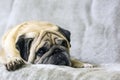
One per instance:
[(37, 43)]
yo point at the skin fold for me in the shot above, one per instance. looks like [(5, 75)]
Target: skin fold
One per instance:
[(37, 43)]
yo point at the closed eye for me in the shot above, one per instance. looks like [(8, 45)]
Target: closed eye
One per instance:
[(64, 43), (41, 51)]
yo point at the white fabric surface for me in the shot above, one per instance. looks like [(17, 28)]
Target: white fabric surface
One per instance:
[(95, 36), (50, 72), (5, 10)]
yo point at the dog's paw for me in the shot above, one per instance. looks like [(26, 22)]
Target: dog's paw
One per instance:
[(14, 63), (87, 65)]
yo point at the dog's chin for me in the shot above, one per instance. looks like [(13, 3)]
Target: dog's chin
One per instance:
[(57, 55), (56, 59)]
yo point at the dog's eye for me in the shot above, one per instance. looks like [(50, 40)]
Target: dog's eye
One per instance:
[(64, 43), (41, 51)]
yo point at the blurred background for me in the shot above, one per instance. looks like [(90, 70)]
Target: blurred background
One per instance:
[(94, 24)]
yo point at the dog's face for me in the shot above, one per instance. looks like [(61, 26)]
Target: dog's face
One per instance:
[(48, 48), (37, 43)]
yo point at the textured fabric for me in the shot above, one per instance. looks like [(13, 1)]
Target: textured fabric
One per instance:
[(4, 14), (95, 36), (50, 72)]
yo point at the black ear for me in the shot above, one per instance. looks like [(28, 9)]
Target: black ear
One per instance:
[(23, 45), (66, 33)]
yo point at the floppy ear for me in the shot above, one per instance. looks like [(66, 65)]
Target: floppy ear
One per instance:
[(23, 45), (66, 33)]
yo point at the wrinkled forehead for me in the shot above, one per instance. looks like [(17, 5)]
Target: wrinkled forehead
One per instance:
[(48, 39), (47, 36)]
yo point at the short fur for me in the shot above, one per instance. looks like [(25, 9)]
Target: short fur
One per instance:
[(21, 43)]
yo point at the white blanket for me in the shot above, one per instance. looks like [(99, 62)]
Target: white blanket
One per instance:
[(95, 36), (51, 72)]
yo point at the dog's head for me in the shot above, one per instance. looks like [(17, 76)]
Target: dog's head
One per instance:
[(47, 47)]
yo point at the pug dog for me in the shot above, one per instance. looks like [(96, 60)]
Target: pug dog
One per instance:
[(37, 43)]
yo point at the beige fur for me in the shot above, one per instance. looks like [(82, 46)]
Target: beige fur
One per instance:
[(9, 54)]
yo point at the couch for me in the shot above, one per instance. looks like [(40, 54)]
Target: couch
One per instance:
[(95, 36)]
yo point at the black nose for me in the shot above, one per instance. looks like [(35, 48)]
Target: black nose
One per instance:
[(56, 50)]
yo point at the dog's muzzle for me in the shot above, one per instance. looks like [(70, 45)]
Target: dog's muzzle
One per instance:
[(57, 55)]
